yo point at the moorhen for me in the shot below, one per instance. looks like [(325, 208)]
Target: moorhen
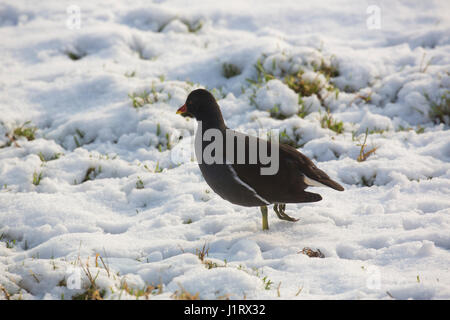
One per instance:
[(237, 173)]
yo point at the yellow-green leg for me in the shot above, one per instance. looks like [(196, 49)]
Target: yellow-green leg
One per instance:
[(265, 220)]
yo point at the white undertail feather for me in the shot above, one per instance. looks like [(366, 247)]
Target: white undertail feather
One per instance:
[(313, 183)]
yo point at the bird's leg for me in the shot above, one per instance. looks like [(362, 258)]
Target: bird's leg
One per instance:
[(275, 208), (265, 221), (279, 210)]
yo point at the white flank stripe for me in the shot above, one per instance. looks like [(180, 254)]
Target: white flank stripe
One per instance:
[(246, 185), (312, 183)]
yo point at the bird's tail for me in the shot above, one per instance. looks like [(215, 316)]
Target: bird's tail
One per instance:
[(323, 182)]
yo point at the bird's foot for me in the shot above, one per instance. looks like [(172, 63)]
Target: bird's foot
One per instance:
[(279, 209)]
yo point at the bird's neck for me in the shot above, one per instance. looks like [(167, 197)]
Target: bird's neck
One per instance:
[(205, 125), (206, 132), (213, 122)]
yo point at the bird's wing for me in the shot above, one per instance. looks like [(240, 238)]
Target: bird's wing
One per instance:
[(285, 186)]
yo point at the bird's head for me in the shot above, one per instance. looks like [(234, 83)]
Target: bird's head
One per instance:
[(201, 105)]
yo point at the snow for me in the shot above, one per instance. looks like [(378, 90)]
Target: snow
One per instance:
[(276, 94), (110, 190)]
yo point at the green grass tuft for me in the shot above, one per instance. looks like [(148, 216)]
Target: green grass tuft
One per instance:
[(303, 87), (293, 142), (75, 54), (363, 154), (140, 99), (304, 111), (139, 184), (440, 109), (267, 283), (26, 131), (329, 71), (193, 27), (276, 113), (230, 70), (92, 173), (10, 243), (157, 168), (37, 177), (131, 74), (327, 121)]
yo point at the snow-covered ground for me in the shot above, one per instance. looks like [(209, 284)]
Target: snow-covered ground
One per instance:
[(97, 199)]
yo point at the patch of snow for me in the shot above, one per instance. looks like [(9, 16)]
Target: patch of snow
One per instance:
[(104, 182)]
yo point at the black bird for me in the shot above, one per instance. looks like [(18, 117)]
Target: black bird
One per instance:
[(243, 183)]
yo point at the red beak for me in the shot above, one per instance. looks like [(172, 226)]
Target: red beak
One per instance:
[(182, 109)]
